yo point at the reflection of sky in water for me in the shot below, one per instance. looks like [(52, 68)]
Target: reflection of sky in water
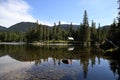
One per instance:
[(55, 69), (100, 71), (72, 71), (54, 64), (8, 64)]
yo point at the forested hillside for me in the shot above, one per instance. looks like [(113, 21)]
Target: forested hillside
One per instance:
[(84, 33)]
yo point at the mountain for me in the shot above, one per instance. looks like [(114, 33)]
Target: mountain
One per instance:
[(24, 26), (21, 27), (2, 28), (107, 27), (66, 26)]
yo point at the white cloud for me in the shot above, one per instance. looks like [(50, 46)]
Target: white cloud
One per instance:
[(64, 22), (14, 11), (45, 23), (51, 24)]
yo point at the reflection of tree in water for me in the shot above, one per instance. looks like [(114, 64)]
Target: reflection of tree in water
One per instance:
[(84, 60), (86, 55), (40, 54), (115, 67)]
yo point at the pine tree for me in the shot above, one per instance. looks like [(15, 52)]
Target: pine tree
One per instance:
[(54, 32), (112, 29), (85, 30), (93, 32), (114, 32), (70, 29), (41, 32), (58, 31), (98, 33), (85, 19)]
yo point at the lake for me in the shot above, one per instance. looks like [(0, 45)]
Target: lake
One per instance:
[(68, 62)]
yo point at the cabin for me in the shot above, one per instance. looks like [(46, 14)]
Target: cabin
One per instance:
[(70, 38)]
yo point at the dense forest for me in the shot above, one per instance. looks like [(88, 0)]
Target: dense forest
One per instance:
[(40, 33), (85, 34)]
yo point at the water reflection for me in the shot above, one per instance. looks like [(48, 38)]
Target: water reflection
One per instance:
[(61, 62), (67, 61), (70, 48), (115, 67)]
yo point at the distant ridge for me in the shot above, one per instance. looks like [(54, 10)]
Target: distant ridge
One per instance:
[(25, 26), (21, 27), (2, 28)]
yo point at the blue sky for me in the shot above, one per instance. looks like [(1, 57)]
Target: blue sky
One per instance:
[(50, 11)]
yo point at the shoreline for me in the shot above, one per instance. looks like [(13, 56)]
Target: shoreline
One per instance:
[(13, 43), (42, 43), (50, 43), (34, 43)]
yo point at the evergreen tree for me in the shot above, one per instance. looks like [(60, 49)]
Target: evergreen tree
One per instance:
[(70, 30), (85, 30), (47, 33), (58, 31), (76, 33), (114, 33), (41, 32), (93, 32), (54, 32), (112, 30), (98, 33), (85, 19)]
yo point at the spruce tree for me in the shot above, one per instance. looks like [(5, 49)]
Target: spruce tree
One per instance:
[(85, 30), (93, 32), (98, 33)]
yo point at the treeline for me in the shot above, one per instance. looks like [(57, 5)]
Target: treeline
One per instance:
[(85, 33), (45, 33), (12, 37), (114, 33)]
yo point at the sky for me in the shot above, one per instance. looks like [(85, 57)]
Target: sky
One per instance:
[(49, 11)]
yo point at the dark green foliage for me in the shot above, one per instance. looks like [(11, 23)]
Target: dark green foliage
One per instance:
[(85, 19), (82, 33), (30, 35), (93, 33), (54, 33), (12, 37), (70, 30), (101, 34), (37, 33), (59, 32), (44, 33), (85, 31), (85, 28), (114, 33)]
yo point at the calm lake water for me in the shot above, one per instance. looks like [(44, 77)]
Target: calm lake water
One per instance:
[(28, 62)]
